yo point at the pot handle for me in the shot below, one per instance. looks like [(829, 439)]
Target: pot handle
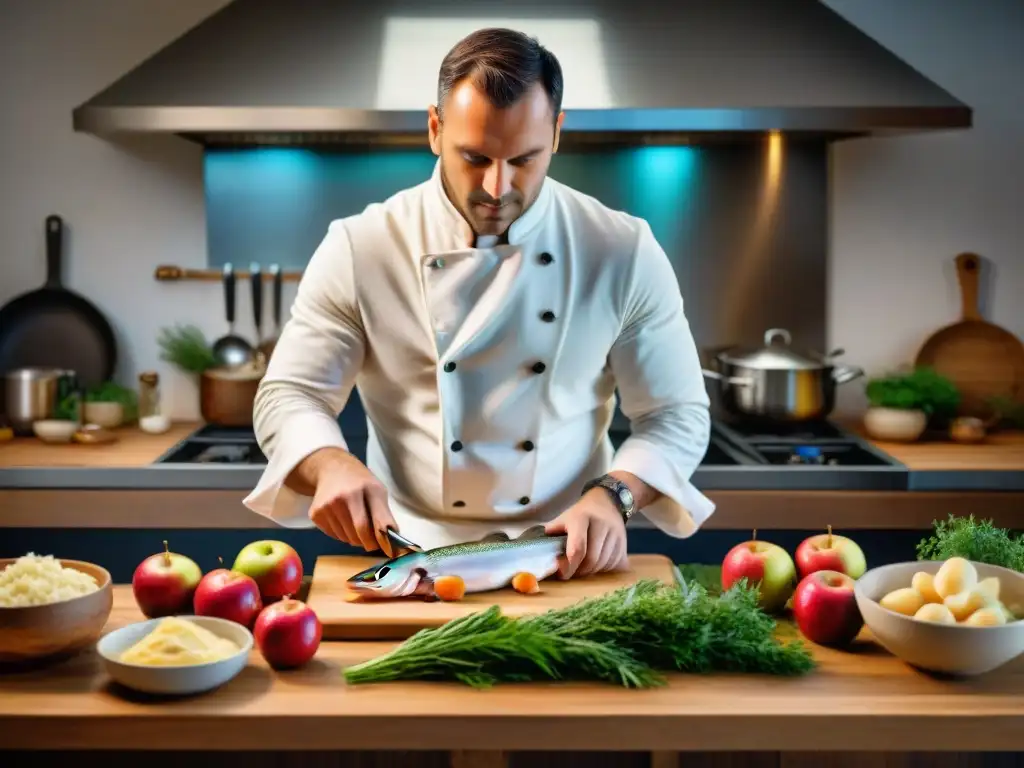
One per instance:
[(735, 381), (772, 333), (842, 374)]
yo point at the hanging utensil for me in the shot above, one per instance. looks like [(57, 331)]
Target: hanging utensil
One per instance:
[(231, 350), (54, 327), (256, 284), (268, 344)]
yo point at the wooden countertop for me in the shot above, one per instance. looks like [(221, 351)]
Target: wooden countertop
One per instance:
[(134, 448), (1000, 451), (854, 701)]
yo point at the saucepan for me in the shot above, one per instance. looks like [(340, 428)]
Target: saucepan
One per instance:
[(227, 394), (776, 382)]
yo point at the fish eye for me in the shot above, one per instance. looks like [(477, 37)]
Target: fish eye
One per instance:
[(382, 572)]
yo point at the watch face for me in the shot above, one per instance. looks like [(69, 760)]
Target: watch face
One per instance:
[(626, 497)]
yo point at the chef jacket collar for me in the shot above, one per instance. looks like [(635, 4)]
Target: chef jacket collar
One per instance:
[(463, 235)]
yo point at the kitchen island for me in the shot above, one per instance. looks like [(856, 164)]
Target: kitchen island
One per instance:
[(858, 701)]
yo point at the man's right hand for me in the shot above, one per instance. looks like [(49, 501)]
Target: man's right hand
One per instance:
[(349, 503)]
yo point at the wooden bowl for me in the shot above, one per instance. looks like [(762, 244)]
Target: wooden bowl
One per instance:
[(36, 632)]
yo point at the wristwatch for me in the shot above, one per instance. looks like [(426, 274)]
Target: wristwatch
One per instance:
[(619, 491)]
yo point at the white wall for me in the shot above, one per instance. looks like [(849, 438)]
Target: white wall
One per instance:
[(902, 208), (127, 206)]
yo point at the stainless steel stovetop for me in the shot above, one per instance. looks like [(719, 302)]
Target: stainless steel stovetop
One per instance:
[(819, 456)]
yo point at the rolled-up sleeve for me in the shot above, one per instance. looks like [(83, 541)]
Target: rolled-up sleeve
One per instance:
[(309, 378), (662, 392)]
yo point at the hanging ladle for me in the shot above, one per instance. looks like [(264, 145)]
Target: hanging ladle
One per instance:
[(231, 350)]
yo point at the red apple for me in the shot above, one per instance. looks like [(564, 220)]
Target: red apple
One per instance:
[(828, 552), (164, 584), (228, 595), (288, 633), (764, 564), (275, 566), (825, 608)]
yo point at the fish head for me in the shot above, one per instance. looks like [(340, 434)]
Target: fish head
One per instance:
[(398, 577)]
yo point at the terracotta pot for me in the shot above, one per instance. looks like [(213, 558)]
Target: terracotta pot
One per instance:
[(227, 395)]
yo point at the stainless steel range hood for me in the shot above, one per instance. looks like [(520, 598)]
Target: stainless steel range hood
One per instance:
[(330, 71)]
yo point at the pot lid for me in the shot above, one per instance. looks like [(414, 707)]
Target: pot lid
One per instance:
[(773, 355)]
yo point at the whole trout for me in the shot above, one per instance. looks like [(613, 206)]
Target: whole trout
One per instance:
[(488, 564)]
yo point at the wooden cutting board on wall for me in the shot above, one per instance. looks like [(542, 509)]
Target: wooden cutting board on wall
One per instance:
[(983, 360), (344, 619)]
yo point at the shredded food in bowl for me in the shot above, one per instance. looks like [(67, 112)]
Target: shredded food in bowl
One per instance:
[(41, 580)]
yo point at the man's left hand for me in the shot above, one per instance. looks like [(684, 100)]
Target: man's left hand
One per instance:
[(595, 535)]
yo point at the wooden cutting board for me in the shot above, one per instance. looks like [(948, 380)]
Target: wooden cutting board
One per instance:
[(344, 619), (983, 360)]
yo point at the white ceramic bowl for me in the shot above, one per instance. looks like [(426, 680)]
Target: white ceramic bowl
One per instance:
[(103, 414), (945, 648), (176, 680), (54, 430)]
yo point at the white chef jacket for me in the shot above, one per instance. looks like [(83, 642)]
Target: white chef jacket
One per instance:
[(488, 371)]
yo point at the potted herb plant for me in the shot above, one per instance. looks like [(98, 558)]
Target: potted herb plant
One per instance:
[(902, 404)]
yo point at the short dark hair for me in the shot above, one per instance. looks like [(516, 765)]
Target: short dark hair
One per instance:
[(504, 64)]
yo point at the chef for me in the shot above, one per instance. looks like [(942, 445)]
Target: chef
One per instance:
[(487, 317)]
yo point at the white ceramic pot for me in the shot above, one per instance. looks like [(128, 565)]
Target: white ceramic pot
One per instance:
[(894, 424), (103, 414)]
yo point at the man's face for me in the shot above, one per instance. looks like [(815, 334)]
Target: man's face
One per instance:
[(493, 161)]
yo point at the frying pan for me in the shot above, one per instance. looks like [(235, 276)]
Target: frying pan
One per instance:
[(53, 327), (984, 361)]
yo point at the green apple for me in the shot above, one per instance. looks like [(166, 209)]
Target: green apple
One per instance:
[(766, 565), (274, 565)]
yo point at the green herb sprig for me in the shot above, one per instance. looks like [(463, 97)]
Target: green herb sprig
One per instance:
[(977, 540), (629, 637), (185, 347), (919, 388)]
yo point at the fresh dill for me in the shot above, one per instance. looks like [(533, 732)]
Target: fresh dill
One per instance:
[(979, 541), (630, 637)]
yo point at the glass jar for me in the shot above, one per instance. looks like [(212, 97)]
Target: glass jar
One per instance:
[(149, 394)]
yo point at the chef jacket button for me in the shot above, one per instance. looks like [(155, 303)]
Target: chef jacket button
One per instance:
[(449, 367), (524, 500), (437, 263), (539, 367), (527, 445), (547, 316), (458, 503), (457, 446), (546, 258)]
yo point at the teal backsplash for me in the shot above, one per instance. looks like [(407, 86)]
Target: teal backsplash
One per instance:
[(273, 205)]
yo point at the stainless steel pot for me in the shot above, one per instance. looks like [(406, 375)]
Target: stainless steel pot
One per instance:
[(32, 394), (778, 383)]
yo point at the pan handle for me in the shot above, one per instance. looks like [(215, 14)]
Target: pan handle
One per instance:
[(736, 381), (845, 373), (54, 248), (967, 273)]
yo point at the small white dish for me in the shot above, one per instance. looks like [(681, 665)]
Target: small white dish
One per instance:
[(54, 430), (952, 649), (177, 680)]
